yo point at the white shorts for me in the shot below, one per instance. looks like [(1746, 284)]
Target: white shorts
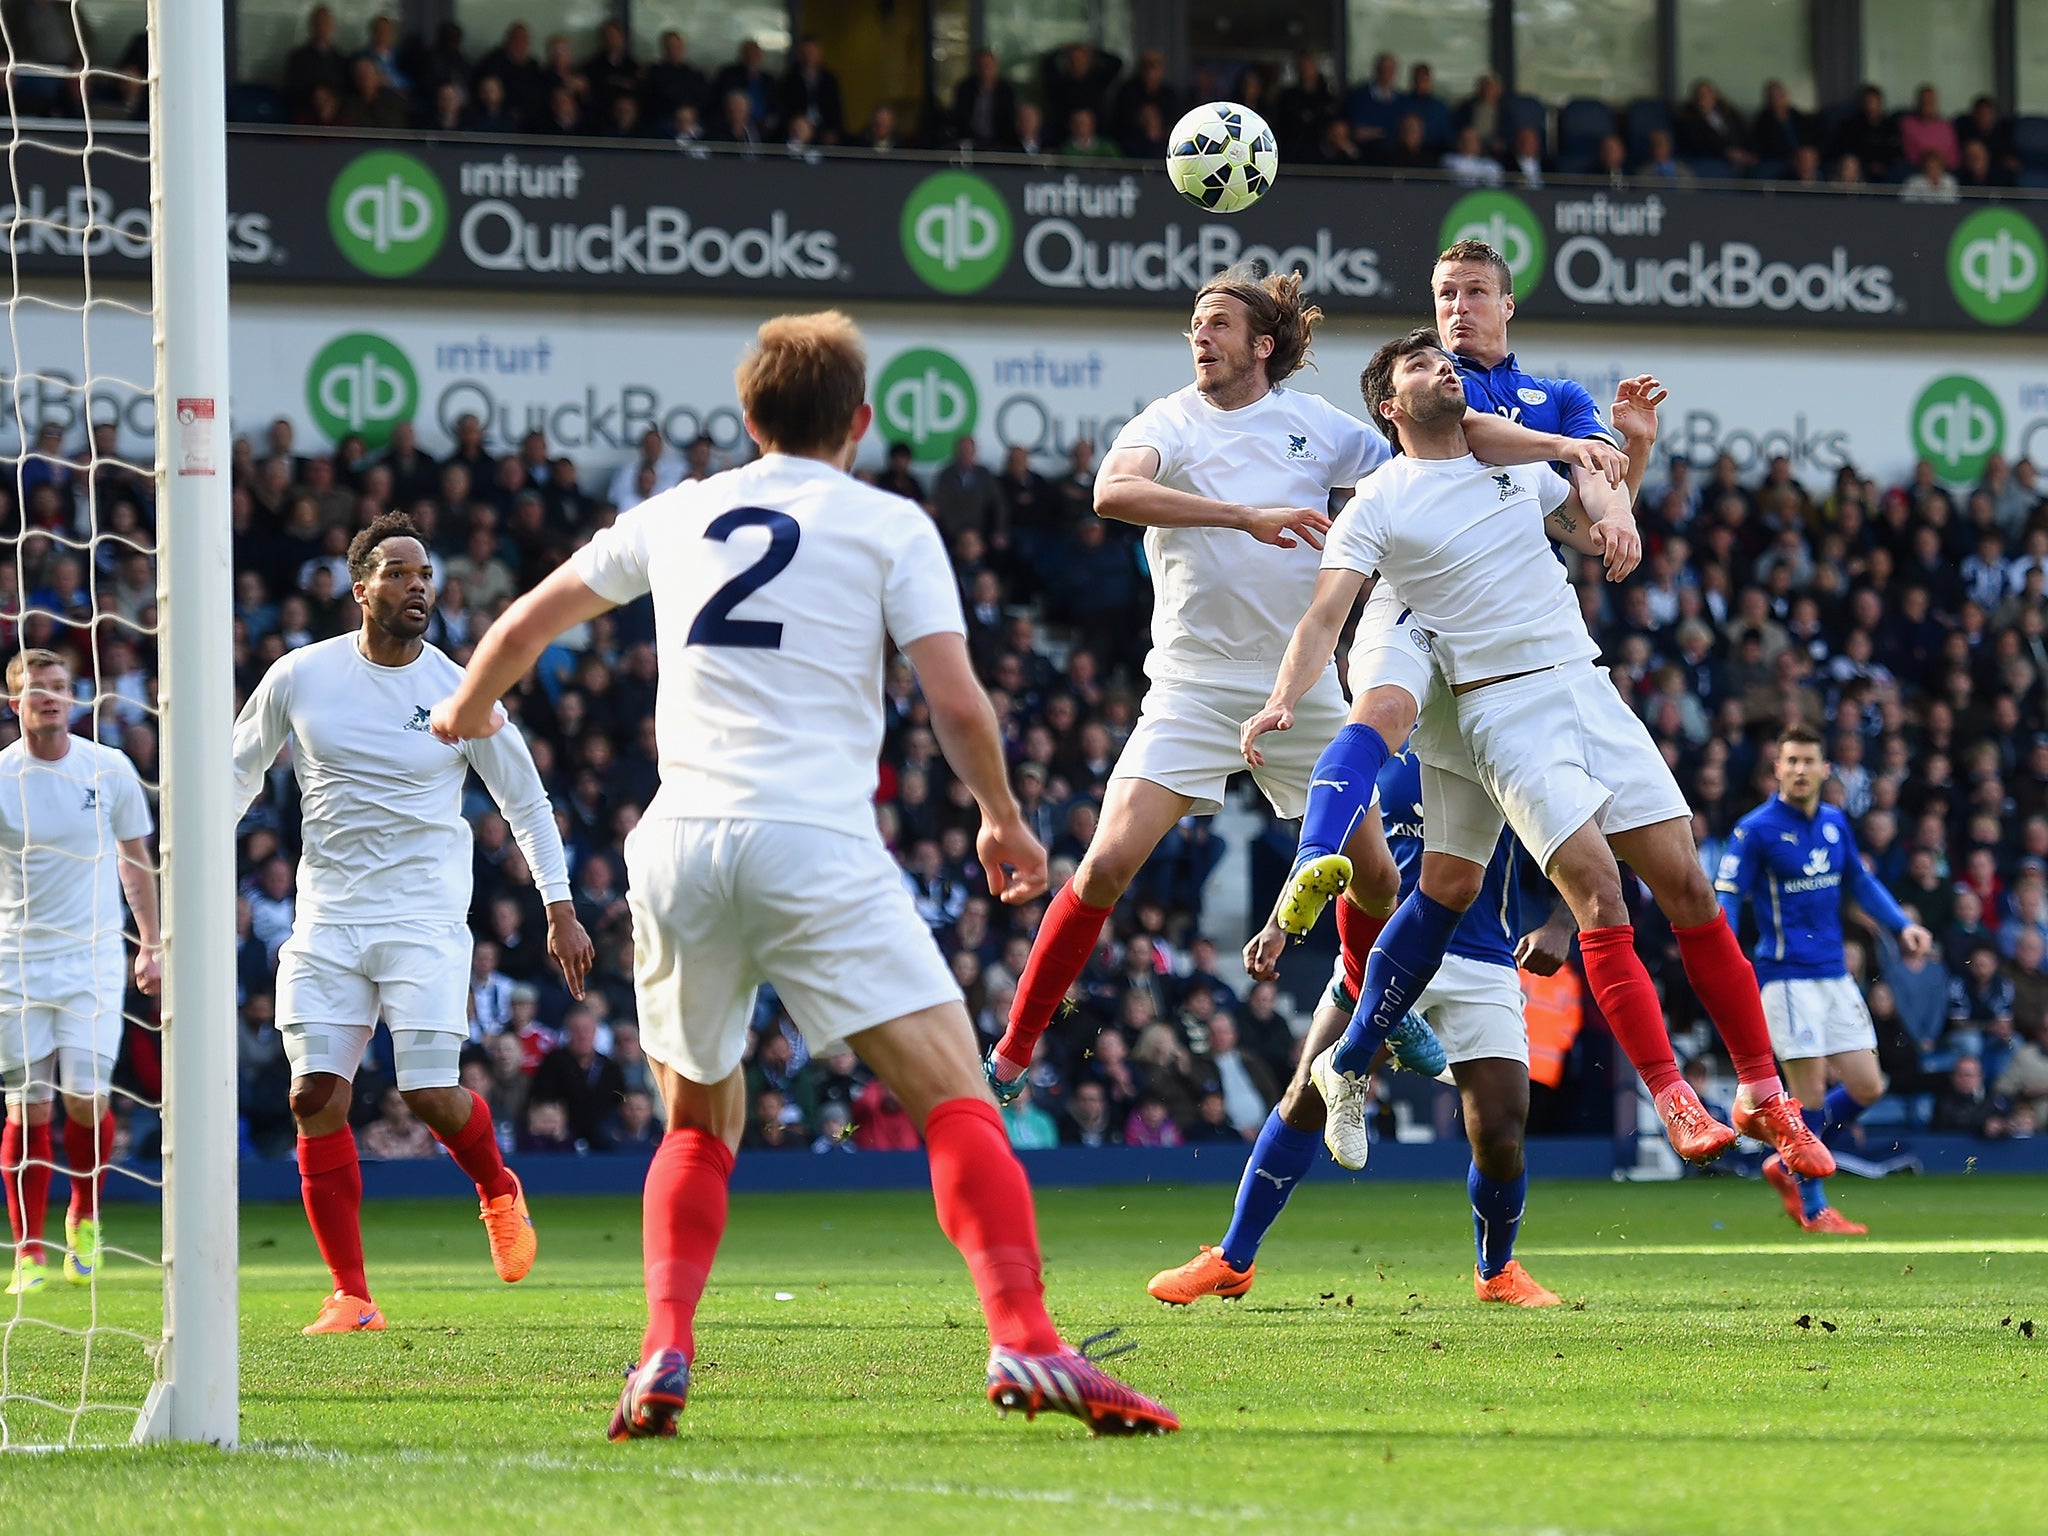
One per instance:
[(1474, 1008), (335, 980), (720, 906), (1561, 747), (1389, 650), (1186, 740), (1810, 1018), (65, 1006)]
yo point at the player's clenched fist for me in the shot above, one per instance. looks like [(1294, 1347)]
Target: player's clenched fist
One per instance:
[(1012, 861), (1273, 717), (455, 719)]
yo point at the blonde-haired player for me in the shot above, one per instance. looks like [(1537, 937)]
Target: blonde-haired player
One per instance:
[(777, 590), (74, 839)]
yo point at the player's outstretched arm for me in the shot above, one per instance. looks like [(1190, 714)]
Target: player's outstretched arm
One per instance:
[(1308, 652), (260, 732), (502, 760), (1496, 440), (965, 723), (1127, 492), (1634, 415), (509, 648), (138, 884), (1611, 521)]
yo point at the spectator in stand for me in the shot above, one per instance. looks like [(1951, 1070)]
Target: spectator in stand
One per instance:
[(1374, 107), (381, 49), (1708, 128), (1031, 1128), (897, 476), (1244, 1083), (612, 73), (1964, 1107), (880, 135), (1470, 164), (449, 112), (656, 455), (1421, 101), (546, 1130), (1977, 170), (1082, 141), (1660, 160), (1933, 182), (1485, 112), (880, 1123), (1525, 159), (747, 76), (1410, 150), (810, 92), (984, 104), (1087, 1122), (1146, 141), (1151, 1124), (1027, 134), (1338, 146), (514, 65), (966, 495), (580, 1078), (1924, 131), (1778, 131), (1869, 136), (370, 103), (397, 1134), (563, 117), (1076, 78), (1984, 124), (1304, 110), (431, 65), (1146, 87), (314, 64), (674, 82)]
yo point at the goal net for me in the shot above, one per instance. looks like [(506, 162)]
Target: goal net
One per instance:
[(118, 1322)]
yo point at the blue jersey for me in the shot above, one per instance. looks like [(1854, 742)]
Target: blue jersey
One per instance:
[(1488, 930), (1794, 869), (1541, 405)]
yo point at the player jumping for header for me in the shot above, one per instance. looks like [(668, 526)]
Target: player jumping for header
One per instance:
[(1528, 729), (777, 589), (74, 838), (1793, 859), (383, 899), (1234, 479)]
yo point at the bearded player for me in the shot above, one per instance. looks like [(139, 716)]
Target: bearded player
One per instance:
[(74, 839), (778, 589), (1391, 668), (1793, 859), (1474, 1007), (1527, 730), (383, 899), (1233, 479)]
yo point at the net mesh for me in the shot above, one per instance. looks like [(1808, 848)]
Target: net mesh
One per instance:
[(79, 1351)]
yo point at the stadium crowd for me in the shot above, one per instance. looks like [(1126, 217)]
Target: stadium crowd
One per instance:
[(1077, 100), (1908, 622)]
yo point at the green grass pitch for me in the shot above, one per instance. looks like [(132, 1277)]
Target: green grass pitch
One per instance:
[(1359, 1387)]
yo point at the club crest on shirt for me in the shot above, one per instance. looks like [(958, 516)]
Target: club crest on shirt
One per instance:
[(1421, 640), (1531, 396), (1297, 446), (1507, 485), (1816, 862), (1830, 833), (418, 722), (92, 799)]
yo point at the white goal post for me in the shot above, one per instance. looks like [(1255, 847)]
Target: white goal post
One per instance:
[(196, 1396)]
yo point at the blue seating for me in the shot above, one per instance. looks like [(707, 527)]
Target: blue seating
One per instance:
[(1646, 116), (248, 103), (1525, 111), (2030, 139), (1582, 123)]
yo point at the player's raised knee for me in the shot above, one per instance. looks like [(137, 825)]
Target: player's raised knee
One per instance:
[(311, 1096)]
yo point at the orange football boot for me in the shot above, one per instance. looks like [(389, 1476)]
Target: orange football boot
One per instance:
[(1778, 1122), (1779, 1177), (1833, 1221), (510, 1230), (1696, 1135), (1206, 1274), (1515, 1286), (343, 1313)]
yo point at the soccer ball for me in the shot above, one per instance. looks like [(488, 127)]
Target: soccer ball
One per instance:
[(1222, 157)]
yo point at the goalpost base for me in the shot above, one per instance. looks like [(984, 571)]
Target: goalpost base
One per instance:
[(154, 1422)]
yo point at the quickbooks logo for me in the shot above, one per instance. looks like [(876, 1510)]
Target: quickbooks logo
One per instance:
[(361, 383), (1957, 425), (387, 213), (926, 399), (956, 232), (1998, 266), (1504, 222)]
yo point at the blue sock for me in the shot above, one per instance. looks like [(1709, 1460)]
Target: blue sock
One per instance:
[(1813, 1198), (1839, 1111), (1401, 964), (1339, 790), (1496, 1217), (1280, 1158)]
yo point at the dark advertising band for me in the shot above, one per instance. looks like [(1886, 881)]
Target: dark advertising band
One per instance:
[(484, 214)]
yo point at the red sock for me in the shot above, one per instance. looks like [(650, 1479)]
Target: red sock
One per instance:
[(1725, 983), (984, 1206), (683, 1217), (331, 1181), (1628, 998), (1357, 929), (87, 1151), (475, 1150), (25, 1158), (1066, 938)]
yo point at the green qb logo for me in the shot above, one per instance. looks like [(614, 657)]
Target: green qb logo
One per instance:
[(1504, 222), (1957, 426), (361, 383), (956, 232), (1998, 266), (387, 213), (926, 399)]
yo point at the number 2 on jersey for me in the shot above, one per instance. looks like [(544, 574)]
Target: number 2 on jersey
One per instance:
[(715, 624)]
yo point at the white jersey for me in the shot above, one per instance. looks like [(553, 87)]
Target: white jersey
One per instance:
[(1464, 544), (777, 587), (60, 824), (383, 838), (1224, 604)]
